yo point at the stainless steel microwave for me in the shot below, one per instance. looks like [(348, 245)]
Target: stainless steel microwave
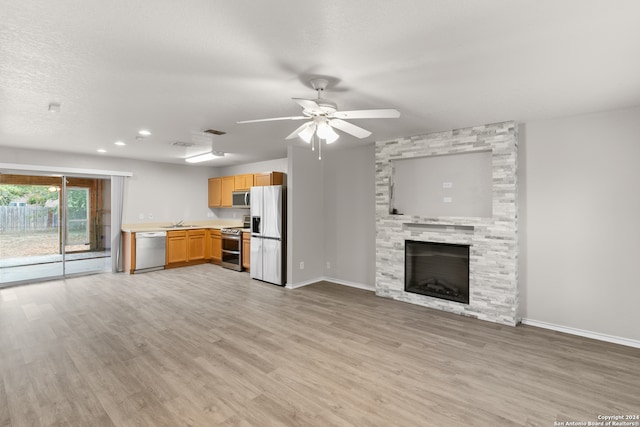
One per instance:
[(241, 199)]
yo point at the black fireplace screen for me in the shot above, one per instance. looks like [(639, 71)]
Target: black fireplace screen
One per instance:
[(439, 270)]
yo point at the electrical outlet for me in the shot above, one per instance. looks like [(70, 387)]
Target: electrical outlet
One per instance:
[(447, 185), (141, 216), (301, 265), (328, 265), (150, 216)]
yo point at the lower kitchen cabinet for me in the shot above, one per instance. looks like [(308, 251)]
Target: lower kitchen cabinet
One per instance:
[(176, 247), (246, 250), (196, 244), (215, 246), (186, 247), (128, 252)]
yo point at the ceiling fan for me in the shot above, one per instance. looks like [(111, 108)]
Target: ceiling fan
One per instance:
[(322, 117)]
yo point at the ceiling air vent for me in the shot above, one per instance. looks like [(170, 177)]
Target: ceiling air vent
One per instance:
[(214, 132), (183, 144)]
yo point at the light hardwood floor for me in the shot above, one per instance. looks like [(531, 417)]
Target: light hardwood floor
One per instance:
[(206, 346)]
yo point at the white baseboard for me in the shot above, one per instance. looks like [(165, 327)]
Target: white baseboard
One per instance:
[(350, 284), (332, 280), (582, 333), (301, 284)]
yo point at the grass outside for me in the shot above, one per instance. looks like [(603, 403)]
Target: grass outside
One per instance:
[(14, 245)]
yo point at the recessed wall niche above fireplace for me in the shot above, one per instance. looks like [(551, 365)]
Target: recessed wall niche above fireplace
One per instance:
[(491, 235), (438, 270)]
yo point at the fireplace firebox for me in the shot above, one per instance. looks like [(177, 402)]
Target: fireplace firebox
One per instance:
[(438, 270)]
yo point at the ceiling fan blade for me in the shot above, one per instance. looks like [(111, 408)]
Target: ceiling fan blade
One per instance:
[(296, 132), (307, 104), (384, 113), (275, 118), (349, 128)]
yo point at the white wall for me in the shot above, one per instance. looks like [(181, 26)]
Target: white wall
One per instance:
[(349, 215), (305, 217), (579, 220), (167, 192), (276, 165)]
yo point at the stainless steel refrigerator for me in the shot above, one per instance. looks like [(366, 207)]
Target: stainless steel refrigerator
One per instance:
[(268, 254)]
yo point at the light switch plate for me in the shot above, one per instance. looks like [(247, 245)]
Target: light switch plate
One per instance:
[(448, 199)]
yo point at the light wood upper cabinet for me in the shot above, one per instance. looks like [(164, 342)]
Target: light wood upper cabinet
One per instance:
[(228, 187), (243, 182), (268, 178), (221, 188), (215, 192)]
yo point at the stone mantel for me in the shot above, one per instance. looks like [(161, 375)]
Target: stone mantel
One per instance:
[(493, 241)]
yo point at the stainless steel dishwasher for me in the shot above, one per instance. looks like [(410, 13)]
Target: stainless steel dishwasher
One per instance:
[(150, 251)]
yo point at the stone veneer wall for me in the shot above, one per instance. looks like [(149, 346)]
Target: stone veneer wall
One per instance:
[(493, 260)]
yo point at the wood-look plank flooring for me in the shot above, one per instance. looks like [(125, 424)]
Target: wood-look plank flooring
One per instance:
[(205, 346)]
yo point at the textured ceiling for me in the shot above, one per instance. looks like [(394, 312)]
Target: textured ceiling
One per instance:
[(177, 68)]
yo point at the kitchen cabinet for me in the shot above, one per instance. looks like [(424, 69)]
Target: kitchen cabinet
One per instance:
[(228, 187), (246, 250), (215, 192), (176, 247), (128, 252), (268, 178), (215, 246), (243, 182), (186, 247), (196, 244), (221, 188)]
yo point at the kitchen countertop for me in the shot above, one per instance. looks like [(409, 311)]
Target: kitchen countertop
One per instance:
[(190, 225)]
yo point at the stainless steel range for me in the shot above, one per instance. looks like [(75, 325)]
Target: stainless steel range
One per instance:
[(232, 245)]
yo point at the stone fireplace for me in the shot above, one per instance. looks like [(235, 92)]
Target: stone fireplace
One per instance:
[(492, 240)]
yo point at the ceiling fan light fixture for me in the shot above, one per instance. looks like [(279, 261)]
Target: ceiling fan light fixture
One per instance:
[(204, 157), (307, 133), (330, 135)]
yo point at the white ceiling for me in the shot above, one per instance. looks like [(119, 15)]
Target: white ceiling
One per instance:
[(177, 68)]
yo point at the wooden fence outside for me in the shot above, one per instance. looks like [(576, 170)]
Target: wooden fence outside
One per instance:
[(27, 218)]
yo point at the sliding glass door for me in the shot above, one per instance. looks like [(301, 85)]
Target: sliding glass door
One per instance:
[(53, 227), (29, 228)]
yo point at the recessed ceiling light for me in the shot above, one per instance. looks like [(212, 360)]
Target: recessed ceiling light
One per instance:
[(120, 143), (101, 150), (144, 132)]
